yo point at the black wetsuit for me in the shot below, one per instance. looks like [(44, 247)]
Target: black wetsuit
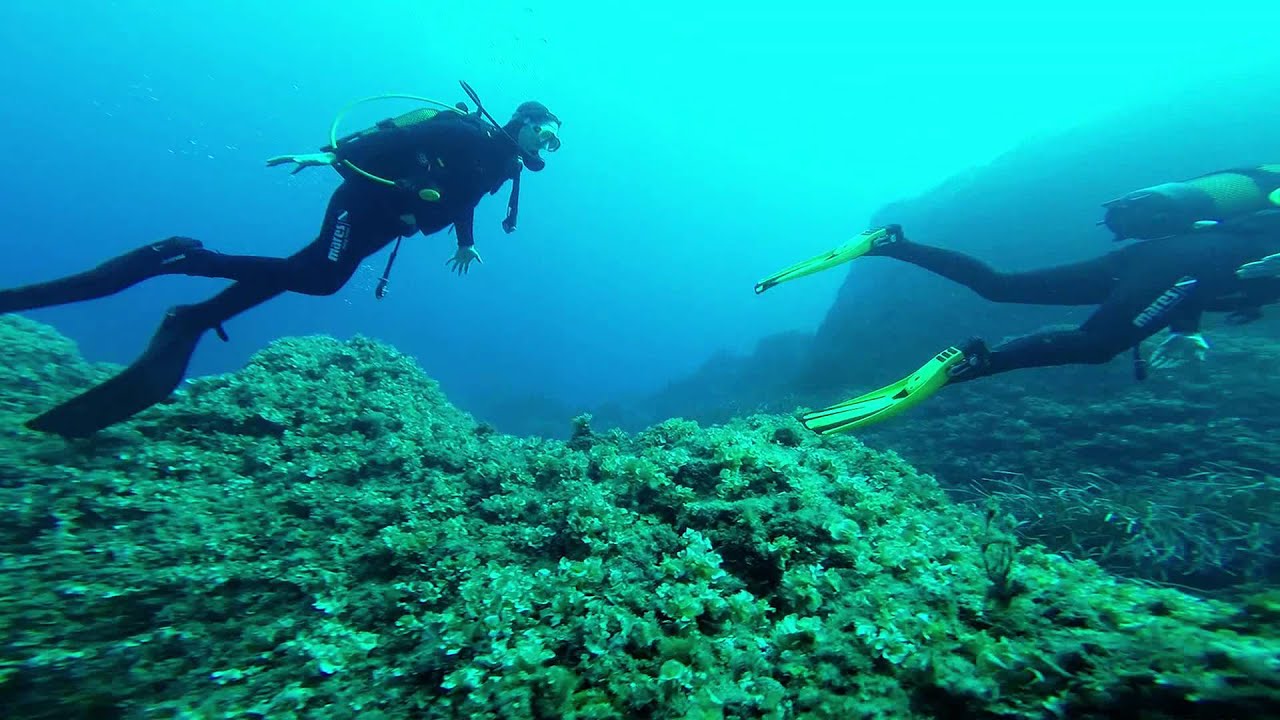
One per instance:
[(1140, 289), (462, 158)]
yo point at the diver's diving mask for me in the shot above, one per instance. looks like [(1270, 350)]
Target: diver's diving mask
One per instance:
[(541, 136)]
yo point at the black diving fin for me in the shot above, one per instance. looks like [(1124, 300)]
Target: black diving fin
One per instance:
[(149, 380)]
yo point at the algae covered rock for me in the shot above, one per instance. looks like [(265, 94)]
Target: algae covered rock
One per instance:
[(322, 535), (1175, 479)]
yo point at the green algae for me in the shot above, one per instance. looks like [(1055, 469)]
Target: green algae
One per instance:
[(322, 535)]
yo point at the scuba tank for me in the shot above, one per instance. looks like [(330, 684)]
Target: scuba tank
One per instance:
[(1177, 208), (384, 131)]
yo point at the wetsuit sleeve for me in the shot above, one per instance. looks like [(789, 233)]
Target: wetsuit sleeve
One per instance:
[(464, 227)]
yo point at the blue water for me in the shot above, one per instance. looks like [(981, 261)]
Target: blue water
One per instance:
[(703, 148)]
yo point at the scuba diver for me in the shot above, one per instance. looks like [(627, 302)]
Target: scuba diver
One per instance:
[(1190, 259), (420, 172)]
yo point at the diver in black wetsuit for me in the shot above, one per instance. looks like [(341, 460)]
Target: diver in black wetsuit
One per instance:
[(1139, 290), (1232, 267), (1209, 244), (422, 172)]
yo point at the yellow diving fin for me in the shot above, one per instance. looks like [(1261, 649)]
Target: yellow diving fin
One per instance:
[(887, 401), (855, 248)]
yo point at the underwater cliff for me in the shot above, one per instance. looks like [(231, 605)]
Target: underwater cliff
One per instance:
[(322, 535)]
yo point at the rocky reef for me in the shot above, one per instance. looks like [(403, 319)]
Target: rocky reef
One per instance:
[(322, 535)]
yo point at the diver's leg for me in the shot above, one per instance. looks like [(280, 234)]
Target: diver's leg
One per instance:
[(1084, 283), (1120, 323), (1130, 315), (302, 273), (353, 229), (321, 268), (1064, 347), (1045, 349), (356, 224)]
